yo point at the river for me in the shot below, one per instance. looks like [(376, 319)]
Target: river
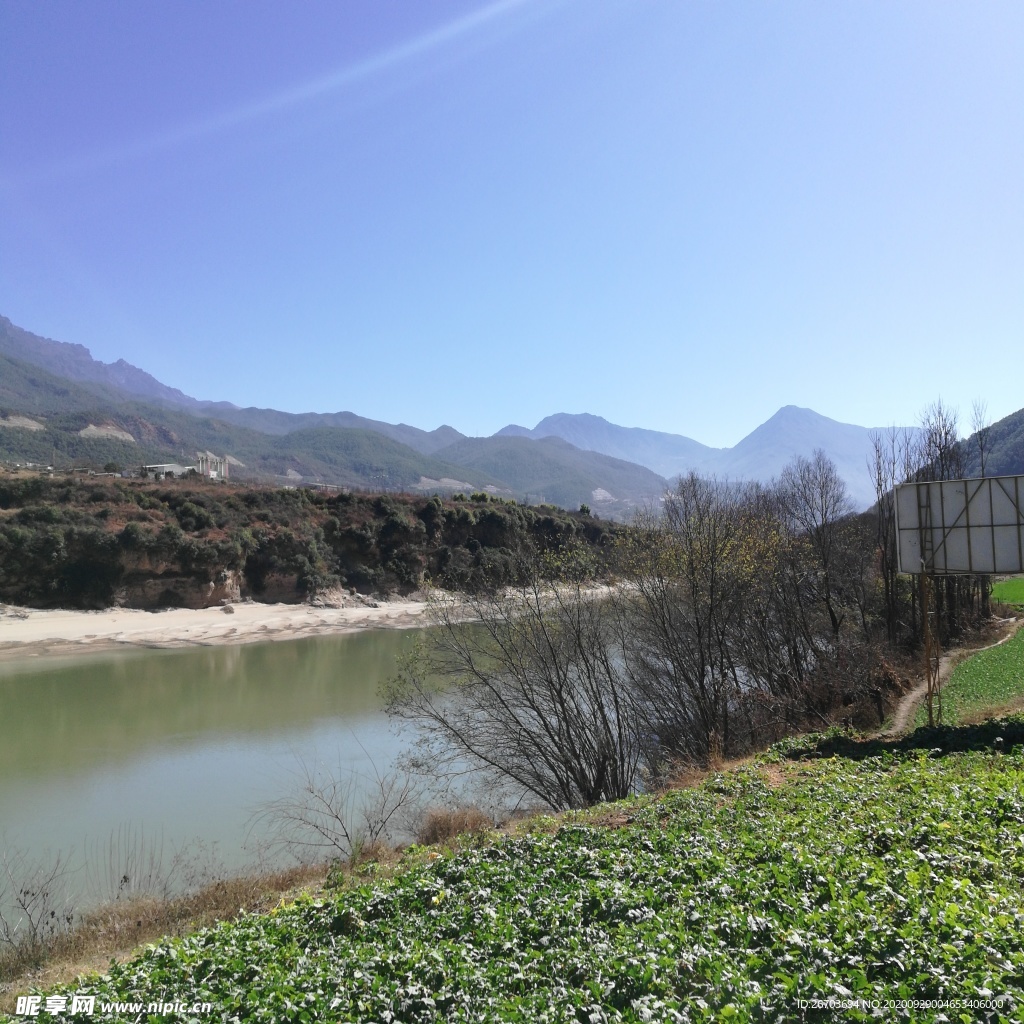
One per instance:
[(114, 757)]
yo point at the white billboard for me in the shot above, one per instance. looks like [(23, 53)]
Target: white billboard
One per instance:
[(961, 526)]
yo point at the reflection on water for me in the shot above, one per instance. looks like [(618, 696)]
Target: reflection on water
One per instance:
[(69, 716), (184, 744)]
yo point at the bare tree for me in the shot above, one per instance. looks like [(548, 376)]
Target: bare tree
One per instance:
[(815, 500), (533, 691), (982, 432), (35, 904), (339, 814), (726, 629), (896, 457), (738, 596), (941, 454), (686, 581)]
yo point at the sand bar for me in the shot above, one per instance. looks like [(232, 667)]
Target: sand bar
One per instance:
[(30, 632)]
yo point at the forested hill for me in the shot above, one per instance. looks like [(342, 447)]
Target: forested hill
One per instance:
[(90, 543), (552, 469), (1004, 448), (122, 382), (50, 420), (46, 419)]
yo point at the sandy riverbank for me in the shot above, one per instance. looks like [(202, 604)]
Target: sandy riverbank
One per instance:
[(29, 632)]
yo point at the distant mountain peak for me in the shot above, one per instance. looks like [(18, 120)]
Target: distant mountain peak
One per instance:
[(76, 362), (798, 412), (664, 454), (790, 431), (578, 417)]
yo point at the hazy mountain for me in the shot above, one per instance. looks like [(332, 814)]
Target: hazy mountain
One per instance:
[(792, 431), (75, 362), (552, 470), (47, 419), (761, 455), (665, 454), (270, 421)]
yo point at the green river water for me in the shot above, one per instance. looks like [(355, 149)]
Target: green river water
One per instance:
[(148, 752)]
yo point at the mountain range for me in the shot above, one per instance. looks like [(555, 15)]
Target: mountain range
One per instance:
[(57, 402), (761, 455)]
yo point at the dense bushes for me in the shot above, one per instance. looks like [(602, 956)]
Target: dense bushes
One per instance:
[(75, 543), (65, 565)]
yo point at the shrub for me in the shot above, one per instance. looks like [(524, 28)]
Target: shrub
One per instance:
[(134, 537), (440, 824)]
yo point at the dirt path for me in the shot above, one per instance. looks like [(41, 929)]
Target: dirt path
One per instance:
[(903, 717), (909, 702)]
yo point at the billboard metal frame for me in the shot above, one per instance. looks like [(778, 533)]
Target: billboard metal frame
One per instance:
[(946, 527)]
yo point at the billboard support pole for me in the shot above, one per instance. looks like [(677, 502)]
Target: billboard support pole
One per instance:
[(932, 650), (929, 616)]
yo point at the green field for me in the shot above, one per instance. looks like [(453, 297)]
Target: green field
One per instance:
[(887, 873), (993, 679), (1009, 591)]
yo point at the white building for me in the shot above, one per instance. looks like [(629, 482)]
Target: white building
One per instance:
[(162, 469), (213, 467)]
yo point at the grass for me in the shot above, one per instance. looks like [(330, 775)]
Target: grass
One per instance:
[(892, 872), (117, 928), (1009, 591), (990, 680)]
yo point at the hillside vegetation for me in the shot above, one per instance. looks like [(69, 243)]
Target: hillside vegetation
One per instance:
[(1004, 448), (30, 389), (993, 678), (552, 469), (22, 351), (79, 543), (883, 883), (347, 456), (335, 448)]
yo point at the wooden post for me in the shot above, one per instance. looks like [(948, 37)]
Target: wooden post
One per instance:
[(932, 651)]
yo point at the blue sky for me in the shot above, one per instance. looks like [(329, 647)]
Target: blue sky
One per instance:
[(676, 214)]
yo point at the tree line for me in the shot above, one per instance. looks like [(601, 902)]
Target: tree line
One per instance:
[(740, 613), (86, 544)]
